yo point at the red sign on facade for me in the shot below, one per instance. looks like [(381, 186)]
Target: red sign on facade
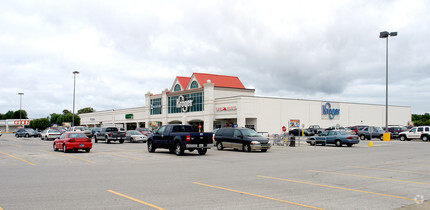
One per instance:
[(284, 128), (23, 122)]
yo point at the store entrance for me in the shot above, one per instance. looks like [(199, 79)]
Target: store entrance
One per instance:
[(198, 125), (131, 126)]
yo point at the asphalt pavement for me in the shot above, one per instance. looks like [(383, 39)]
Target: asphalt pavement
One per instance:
[(389, 175)]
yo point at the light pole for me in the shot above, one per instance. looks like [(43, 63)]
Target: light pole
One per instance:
[(385, 35), (20, 107), (74, 90)]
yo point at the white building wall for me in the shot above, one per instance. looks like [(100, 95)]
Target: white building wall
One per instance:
[(273, 113)]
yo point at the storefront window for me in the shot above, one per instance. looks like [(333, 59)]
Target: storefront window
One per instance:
[(193, 102), (156, 106)]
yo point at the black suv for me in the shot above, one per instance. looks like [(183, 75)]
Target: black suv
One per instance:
[(395, 130), (241, 138)]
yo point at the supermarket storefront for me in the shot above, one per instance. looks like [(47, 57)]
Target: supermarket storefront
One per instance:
[(213, 101)]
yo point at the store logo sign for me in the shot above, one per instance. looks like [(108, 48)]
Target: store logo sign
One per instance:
[(183, 104), (226, 108), (331, 111)]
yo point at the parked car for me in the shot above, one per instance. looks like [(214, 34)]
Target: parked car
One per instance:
[(336, 137), (73, 141), (316, 129), (26, 132), (0, 133), (109, 134), (421, 132), (334, 128), (60, 129), (144, 131), (396, 130), (178, 138), (241, 138), (370, 132), (356, 128), (83, 130), (49, 134), (298, 132), (134, 136), (94, 130)]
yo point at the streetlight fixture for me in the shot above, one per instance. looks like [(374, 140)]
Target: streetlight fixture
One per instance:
[(20, 107), (385, 35), (74, 90)]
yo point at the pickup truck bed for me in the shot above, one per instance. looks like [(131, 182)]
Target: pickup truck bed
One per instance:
[(178, 138)]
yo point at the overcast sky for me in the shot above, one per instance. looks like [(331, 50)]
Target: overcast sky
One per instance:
[(321, 50)]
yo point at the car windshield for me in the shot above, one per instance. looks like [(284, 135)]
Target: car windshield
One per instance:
[(250, 132), (134, 133), (77, 135)]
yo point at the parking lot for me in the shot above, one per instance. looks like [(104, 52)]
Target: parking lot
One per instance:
[(389, 175)]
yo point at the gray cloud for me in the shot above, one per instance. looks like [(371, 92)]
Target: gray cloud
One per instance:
[(315, 50)]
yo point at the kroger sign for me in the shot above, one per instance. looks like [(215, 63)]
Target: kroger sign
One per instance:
[(183, 104), (330, 111)]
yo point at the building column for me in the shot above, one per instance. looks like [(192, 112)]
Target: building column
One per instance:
[(209, 106)]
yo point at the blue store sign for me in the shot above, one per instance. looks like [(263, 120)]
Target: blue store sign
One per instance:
[(327, 110)]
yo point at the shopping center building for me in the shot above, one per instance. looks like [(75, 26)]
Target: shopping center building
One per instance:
[(212, 101)]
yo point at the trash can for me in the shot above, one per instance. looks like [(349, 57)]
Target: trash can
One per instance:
[(292, 141)]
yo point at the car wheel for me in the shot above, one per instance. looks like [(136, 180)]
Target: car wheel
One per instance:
[(16, 135), (402, 138), (312, 143), (151, 147), (381, 137), (202, 151), (54, 147), (64, 148), (246, 148), (362, 137), (121, 141), (338, 143), (107, 140), (27, 136), (219, 146), (424, 138), (264, 150), (349, 145), (178, 149), (87, 150)]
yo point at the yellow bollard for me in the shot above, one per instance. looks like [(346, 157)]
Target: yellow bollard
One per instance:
[(370, 143), (386, 137)]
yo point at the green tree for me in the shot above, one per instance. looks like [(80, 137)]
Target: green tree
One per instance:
[(8, 115), (54, 117), (68, 118), (420, 120), (65, 111), (86, 110), (40, 124), (23, 114)]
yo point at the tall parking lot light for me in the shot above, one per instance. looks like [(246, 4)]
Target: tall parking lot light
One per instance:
[(74, 90), (385, 35), (20, 106)]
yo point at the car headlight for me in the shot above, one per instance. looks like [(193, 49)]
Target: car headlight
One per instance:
[(255, 142)]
